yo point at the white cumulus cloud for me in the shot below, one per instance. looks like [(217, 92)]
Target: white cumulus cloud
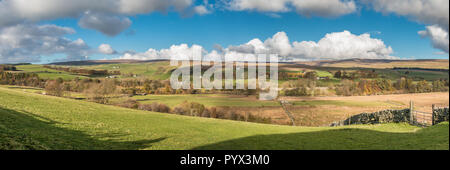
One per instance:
[(433, 12), (430, 12), (334, 46), (106, 49), (28, 42), (324, 8), (438, 36), (342, 45), (182, 52), (106, 16), (201, 10), (321, 8)]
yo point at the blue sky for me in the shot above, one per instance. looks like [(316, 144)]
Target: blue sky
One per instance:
[(226, 28), (387, 22)]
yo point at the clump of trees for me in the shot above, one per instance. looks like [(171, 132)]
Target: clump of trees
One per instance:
[(21, 79), (305, 87), (342, 74), (100, 92), (195, 109), (155, 107), (130, 103), (229, 113), (348, 87), (145, 86), (82, 71), (54, 87), (4, 67), (377, 87), (297, 75), (190, 109)]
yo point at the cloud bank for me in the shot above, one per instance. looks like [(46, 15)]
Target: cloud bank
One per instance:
[(438, 36), (21, 40), (434, 13), (430, 12), (28, 42), (334, 46), (309, 8), (106, 16)]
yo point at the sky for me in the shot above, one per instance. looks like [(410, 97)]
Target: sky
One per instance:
[(45, 31)]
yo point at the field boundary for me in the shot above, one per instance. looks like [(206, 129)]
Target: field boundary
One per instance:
[(410, 115), (283, 104)]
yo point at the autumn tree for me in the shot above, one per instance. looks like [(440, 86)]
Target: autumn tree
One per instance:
[(100, 92), (54, 88)]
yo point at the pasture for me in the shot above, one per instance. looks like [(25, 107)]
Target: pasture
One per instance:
[(32, 121), (46, 73), (209, 100), (161, 70), (152, 70), (308, 111)]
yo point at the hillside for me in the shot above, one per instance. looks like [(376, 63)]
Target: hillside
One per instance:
[(99, 62), (32, 121), (381, 64)]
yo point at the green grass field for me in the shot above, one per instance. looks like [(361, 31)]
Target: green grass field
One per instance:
[(211, 100), (416, 75), (32, 121), (46, 73), (153, 70), (207, 100), (162, 70)]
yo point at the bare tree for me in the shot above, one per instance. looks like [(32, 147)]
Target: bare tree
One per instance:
[(100, 92)]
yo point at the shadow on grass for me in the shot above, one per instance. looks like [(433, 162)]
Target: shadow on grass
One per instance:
[(25, 131), (433, 138)]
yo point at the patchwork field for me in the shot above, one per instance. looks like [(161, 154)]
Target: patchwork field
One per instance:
[(209, 100), (151, 70), (307, 111), (46, 73), (321, 111), (382, 64), (161, 70), (32, 121)]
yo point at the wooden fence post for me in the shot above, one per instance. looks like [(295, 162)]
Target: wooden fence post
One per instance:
[(349, 119), (433, 107), (411, 112)]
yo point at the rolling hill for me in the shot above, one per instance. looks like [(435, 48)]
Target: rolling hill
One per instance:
[(381, 63), (33, 121)]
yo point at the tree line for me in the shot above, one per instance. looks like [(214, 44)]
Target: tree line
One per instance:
[(81, 71), (368, 87), (196, 110), (5, 67)]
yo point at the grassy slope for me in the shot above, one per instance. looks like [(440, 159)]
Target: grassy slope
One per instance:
[(147, 70), (46, 73), (207, 100), (242, 101), (32, 121), (416, 75)]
